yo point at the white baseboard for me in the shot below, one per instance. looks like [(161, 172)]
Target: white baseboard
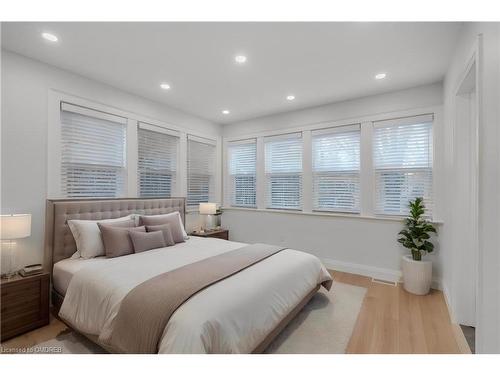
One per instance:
[(370, 271), (457, 331), (363, 270), (437, 284), (447, 300)]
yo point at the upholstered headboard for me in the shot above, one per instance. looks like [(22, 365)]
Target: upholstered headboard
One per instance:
[(59, 242)]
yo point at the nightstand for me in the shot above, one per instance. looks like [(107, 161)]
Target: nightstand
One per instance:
[(25, 304), (223, 234)]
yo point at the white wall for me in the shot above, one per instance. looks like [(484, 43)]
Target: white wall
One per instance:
[(423, 96), (488, 296), (360, 245), (26, 84)]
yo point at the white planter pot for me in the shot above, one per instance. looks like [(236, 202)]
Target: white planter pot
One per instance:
[(417, 275)]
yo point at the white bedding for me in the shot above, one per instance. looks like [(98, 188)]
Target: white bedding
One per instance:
[(66, 268), (232, 316)]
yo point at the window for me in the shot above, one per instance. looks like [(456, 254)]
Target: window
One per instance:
[(92, 153), (157, 161), (402, 155), (283, 168), (242, 159), (336, 169), (200, 171)]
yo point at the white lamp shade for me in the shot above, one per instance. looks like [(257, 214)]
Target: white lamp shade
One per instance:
[(13, 227), (208, 208)]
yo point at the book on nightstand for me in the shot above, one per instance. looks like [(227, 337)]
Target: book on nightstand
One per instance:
[(32, 269)]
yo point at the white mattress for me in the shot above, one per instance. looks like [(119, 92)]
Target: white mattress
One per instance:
[(232, 316), (66, 268)]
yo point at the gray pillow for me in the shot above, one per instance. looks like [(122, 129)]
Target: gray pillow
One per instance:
[(116, 239), (147, 241), (165, 229), (173, 220)]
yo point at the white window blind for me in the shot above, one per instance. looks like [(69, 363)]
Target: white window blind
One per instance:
[(242, 160), (157, 161), (92, 153), (200, 171), (402, 154), (336, 165), (283, 169)]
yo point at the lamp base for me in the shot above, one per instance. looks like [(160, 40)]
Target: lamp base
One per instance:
[(11, 264)]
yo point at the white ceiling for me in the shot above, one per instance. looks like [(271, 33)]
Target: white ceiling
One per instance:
[(316, 62)]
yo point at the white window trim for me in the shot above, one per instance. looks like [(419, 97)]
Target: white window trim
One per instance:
[(217, 142), (225, 165), (116, 132), (278, 137), (367, 173), (328, 131), (158, 129), (55, 97), (132, 158), (328, 214), (403, 121)]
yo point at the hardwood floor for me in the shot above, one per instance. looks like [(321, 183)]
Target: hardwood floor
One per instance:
[(390, 321), (393, 321), (54, 328)]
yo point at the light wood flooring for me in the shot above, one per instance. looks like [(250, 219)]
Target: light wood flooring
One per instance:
[(393, 321), (390, 321)]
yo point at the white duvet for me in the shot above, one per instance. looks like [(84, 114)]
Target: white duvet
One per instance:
[(231, 316)]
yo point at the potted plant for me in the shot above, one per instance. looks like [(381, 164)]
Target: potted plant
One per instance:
[(417, 273)]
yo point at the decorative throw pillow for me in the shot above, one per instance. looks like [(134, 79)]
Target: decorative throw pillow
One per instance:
[(147, 241), (165, 229), (88, 236), (116, 239), (174, 219)]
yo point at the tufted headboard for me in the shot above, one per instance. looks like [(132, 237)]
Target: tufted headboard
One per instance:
[(59, 242)]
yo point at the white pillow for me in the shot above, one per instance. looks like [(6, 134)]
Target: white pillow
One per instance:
[(170, 214), (88, 236)]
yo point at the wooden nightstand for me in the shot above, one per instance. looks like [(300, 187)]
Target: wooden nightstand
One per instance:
[(25, 304), (223, 234)]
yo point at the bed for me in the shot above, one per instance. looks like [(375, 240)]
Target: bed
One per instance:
[(242, 313)]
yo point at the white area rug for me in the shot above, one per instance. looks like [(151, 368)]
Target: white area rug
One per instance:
[(324, 326)]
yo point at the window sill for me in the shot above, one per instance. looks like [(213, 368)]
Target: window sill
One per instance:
[(326, 214)]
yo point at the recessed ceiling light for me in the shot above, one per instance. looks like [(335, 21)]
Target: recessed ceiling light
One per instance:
[(165, 86), (380, 76), (50, 37), (290, 97), (240, 59), (225, 112)]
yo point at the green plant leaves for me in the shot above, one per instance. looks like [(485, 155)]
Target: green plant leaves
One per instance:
[(416, 233)]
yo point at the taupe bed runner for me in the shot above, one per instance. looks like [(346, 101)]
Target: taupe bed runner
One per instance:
[(146, 309)]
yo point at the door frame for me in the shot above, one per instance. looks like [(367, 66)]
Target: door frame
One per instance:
[(473, 66)]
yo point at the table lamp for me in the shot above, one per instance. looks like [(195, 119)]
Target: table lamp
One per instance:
[(13, 227), (207, 209)]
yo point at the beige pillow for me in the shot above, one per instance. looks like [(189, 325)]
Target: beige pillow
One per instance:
[(88, 237), (165, 229), (116, 239), (174, 219), (119, 224), (147, 241)]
